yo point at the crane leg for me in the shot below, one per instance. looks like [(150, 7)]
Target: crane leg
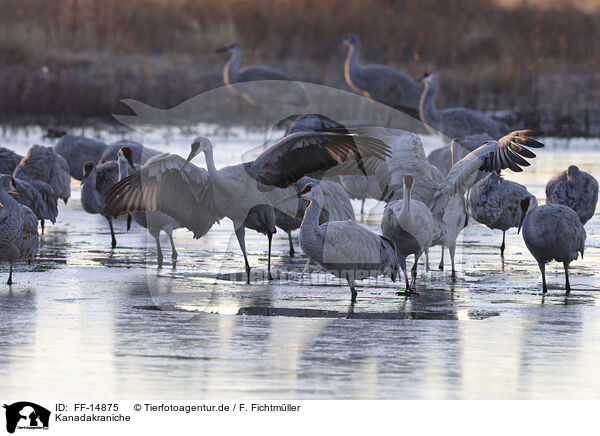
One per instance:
[(292, 251), (452, 250), (402, 262), (427, 260), (442, 259), (173, 249), (10, 282), (42, 224), (414, 273), (543, 270), (353, 292), (567, 284), (112, 233), (503, 246), (270, 237), (240, 232), (159, 254), (362, 208)]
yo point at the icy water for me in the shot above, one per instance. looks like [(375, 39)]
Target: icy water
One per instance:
[(88, 321)]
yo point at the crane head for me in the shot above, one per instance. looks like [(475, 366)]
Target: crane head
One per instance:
[(408, 181), (351, 39), (312, 192), (127, 155), (229, 49), (199, 145), (88, 167), (525, 207), (8, 183), (429, 78)]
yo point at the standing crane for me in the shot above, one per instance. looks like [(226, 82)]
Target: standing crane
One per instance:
[(344, 248), (19, 239), (380, 82), (575, 189), (455, 122), (293, 93), (552, 232)]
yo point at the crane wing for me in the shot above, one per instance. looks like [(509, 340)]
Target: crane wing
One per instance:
[(185, 195), (298, 154), (508, 152), (407, 158)]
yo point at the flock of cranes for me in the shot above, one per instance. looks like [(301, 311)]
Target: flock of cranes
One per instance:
[(305, 181)]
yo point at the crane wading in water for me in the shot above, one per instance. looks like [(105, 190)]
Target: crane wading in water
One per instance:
[(245, 193)]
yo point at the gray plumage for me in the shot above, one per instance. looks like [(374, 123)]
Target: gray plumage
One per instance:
[(336, 207), (39, 197), (553, 232), (19, 238), (575, 189), (455, 122), (409, 224), (444, 157), (380, 82), (43, 163), (232, 74), (244, 193), (496, 202), (344, 248), (77, 150), (154, 221), (139, 153), (8, 160), (97, 181)]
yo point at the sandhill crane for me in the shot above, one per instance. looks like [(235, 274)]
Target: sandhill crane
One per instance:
[(409, 225), (139, 154), (43, 163), (552, 232), (97, 181), (344, 248), (19, 238), (154, 221), (496, 202), (443, 157), (8, 160), (294, 94), (575, 189), (39, 197), (445, 196), (336, 207), (78, 149), (244, 193), (380, 82), (455, 122)]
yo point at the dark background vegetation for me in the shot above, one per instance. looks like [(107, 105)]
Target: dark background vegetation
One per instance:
[(73, 59)]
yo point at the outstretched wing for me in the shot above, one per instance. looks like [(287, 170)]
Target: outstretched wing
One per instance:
[(298, 154), (508, 152), (407, 158), (185, 195)]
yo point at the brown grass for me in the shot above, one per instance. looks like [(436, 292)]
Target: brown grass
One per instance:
[(540, 62)]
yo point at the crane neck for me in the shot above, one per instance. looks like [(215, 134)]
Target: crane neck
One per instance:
[(231, 69), (352, 68), (215, 175), (310, 222), (90, 197), (123, 169), (427, 110), (405, 212)]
